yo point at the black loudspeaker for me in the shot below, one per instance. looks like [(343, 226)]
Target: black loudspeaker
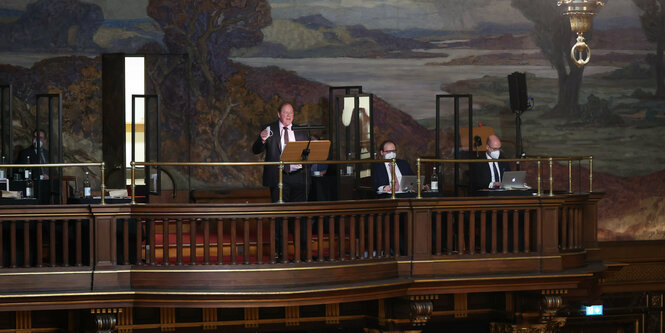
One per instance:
[(517, 88)]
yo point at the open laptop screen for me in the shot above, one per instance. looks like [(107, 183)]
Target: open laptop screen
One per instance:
[(409, 183), (513, 179)]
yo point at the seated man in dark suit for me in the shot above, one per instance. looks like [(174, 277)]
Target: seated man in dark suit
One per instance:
[(382, 172), (488, 175), (36, 154)]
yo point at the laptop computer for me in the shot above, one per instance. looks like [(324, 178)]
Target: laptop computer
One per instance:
[(514, 180), (409, 183)]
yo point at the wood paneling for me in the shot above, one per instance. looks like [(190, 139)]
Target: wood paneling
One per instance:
[(212, 255)]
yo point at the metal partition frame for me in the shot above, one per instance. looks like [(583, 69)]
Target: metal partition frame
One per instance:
[(148, 135), (6, 118), (456, 98), (333, 116), (356, 128), (333, 125), (53, 157)]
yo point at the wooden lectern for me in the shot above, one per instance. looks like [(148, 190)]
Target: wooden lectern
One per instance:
[(318, 151), (293, 152)]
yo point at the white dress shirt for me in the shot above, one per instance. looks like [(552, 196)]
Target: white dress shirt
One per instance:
[(492, 165), (398, 174), (292, 137)]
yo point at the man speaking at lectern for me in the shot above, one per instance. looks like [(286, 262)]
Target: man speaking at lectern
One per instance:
[(272, 140)]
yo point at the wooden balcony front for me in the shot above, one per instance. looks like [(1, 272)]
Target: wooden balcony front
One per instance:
[(266, 255)]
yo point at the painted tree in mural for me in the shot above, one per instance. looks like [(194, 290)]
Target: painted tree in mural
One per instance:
[(207, 30), (552, 34), (652, 17)]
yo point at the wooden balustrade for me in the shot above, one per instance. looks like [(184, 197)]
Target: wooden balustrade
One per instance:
[(484, 230), (58, 238), (122, 247), (262, 239)]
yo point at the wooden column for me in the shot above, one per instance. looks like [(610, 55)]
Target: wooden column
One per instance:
[(590, 221), (422, 234)]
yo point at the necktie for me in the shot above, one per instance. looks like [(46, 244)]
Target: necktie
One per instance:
[(285, 138), (392, 173), (41, 159), (497, 177)]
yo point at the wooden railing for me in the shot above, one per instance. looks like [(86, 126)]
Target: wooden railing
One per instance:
[(125, 247), (483, 230), (230, 237), (58, 236)]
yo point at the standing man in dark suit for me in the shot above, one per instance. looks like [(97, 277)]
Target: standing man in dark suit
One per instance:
[(382, 173), (272, 140), (488, 175), (37, 155)]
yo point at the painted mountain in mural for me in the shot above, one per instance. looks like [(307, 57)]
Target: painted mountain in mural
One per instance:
[(315, 36), (71, 27)]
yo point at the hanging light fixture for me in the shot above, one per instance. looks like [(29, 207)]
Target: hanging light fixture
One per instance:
[(580, 13)]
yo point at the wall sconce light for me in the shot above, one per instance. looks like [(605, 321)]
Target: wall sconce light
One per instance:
[(580, 13)]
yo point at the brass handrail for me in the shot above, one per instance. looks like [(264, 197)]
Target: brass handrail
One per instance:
[(101, 165), (419, 161), (550, 159), (280, 164)]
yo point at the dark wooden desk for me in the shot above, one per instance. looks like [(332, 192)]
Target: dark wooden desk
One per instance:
[(42, 189), (504, 193), (96, 201), (19, 202), (403, 195)]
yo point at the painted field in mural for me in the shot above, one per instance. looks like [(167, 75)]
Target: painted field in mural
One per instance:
[(246, 57)]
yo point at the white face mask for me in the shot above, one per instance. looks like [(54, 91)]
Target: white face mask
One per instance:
[(495, 154), (390, 155), (34, 144)]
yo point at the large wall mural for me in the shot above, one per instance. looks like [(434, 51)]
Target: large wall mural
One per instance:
[(236, 61)]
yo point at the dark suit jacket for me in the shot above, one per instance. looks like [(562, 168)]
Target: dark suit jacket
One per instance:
[(479, 173), (273, 152), (30, 151), (380, 174)]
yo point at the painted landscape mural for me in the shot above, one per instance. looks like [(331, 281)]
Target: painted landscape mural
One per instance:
[(223, 67)]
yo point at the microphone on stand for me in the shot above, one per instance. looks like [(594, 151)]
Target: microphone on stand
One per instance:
[(477, 142)]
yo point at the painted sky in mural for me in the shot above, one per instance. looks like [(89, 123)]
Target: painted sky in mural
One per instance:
[(376, 14), (424, 14)]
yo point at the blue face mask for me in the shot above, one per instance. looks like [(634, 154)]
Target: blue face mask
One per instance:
[(391, 155), (34, 144)]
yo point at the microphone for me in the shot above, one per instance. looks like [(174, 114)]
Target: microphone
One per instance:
[(477, 142)]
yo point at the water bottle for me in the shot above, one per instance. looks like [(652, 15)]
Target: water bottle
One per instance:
[(434, 184), (29, 185), (87, 193), (26, 172), (3, 172)]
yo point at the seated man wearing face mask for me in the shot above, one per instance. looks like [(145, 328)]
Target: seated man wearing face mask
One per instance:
[(36, 154), (382, 173), (488, 175)]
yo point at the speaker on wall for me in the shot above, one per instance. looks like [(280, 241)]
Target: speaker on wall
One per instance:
[(517, 88)]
